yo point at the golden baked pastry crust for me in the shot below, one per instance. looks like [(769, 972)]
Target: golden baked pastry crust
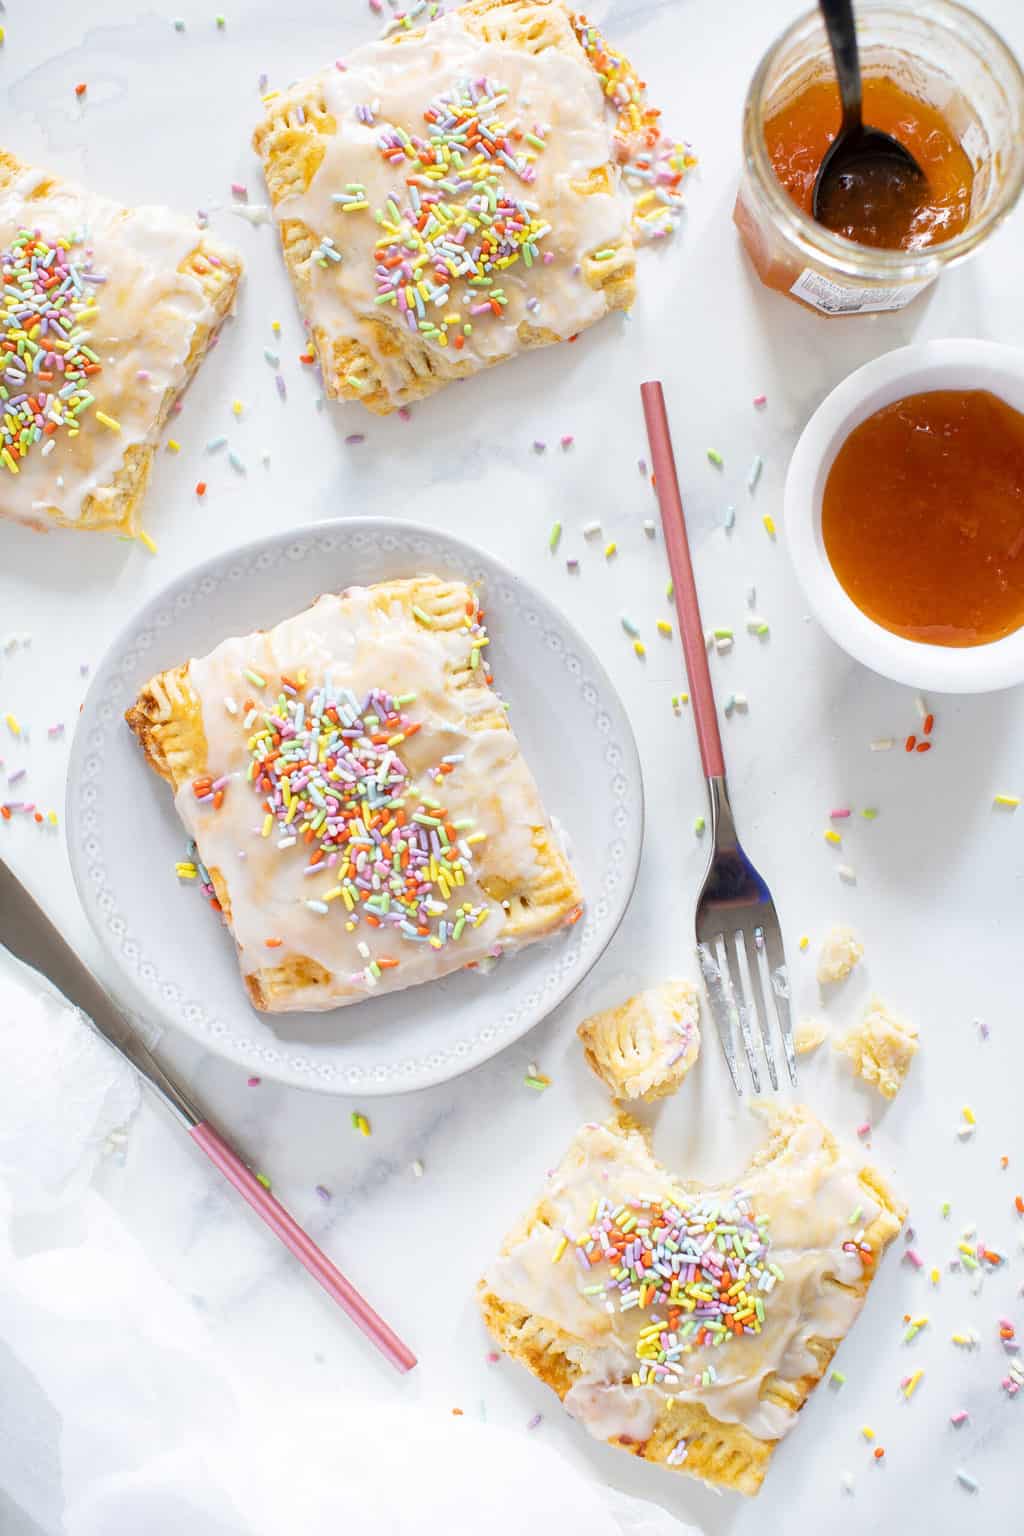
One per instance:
[(727, 1455), (644, 1048), (356, 356), (115, 505), (167, 718)]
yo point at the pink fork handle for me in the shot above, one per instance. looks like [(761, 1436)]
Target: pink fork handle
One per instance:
[(666, 485), (302, 1246)]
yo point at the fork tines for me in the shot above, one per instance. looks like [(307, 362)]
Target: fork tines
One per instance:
[(739, 996)]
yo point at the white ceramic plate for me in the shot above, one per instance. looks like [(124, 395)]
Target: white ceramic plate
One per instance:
[(955, 364), (124, 837)]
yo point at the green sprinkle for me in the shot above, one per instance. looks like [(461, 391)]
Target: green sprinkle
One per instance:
[(423, 618), (715, 457), (605, 255), (531, 138), (869, 813), (838, 1378), (254, 678), (699, 825), (670, 590), (554, 537), (722, 634), (261, 1178), (539, 1083)]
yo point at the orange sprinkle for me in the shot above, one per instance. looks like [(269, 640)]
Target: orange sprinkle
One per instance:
[(1018, 1202), (218, 800), (81, 89), (200, 487), (5, 812), (911, 743), (924, 746), (878, 1452), (273, 943), (929, 721)]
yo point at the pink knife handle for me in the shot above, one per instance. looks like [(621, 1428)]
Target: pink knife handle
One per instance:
[(666, 485), (302, 1246)]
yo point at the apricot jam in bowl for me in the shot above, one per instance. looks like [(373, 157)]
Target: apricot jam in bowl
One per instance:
[(904, 515), (943, 83)]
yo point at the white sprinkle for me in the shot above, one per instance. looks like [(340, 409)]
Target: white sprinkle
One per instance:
[(417, 1168), (883, 744), (591, 529), (751, 597), (846, 872), (754, 473), (922, 706), (230, 706), (649, 528), (255, 213)]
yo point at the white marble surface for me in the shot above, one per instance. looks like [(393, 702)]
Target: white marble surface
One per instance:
[(938, 893)]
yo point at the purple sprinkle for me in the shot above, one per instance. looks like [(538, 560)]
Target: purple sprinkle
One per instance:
[(538, 446), (535, 1421), (12, 778), (56, 730), (356, 437), (261, 83), (280, 386), (323, 1193), (83, 667)]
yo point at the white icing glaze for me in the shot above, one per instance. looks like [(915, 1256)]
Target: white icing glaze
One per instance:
[(349, 640), (809, 1201), (147, 314), (550, 91)]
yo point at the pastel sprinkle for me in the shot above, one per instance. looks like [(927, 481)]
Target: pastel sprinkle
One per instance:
[(960, 1417), (769, 523), (628, 625), (554, 537), (754, 473), (146, 542), (1011, 802), (966, 1480), (715, 457), (610, 549), (699, 825), (360, 1123), (804, 941)]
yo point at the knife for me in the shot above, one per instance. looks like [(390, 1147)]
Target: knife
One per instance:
[(30, 936)]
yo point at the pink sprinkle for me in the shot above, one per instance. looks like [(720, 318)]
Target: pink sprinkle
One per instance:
[(567, 442), (339, 64), (376, 6), (239, 190), (548, 258), (841, 814), (142, 375), (55, 730), (493, 1357), (760, 399), (865, 1129), (958, 1418), (253, 1082), (404, 413), (914, 1258)]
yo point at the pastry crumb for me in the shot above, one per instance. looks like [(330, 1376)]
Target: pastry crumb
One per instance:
[(880, 1048), (809, 1035), (644, 1048), (839, 954)]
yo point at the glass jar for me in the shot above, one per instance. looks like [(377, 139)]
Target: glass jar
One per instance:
[(935, 50)]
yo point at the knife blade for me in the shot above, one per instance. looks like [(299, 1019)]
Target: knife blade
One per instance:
[(30, 936)]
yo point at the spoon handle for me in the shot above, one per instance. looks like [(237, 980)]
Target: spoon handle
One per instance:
[(842, 39)]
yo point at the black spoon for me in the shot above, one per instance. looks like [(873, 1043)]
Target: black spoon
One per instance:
[(865, 172)]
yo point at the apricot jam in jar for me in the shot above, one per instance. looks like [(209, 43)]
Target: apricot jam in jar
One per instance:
[(922, 517), (939, 79)]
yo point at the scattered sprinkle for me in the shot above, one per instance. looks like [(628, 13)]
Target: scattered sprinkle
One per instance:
[(554, 537), (754, 473), (360, 1123), (1011, 802), (966, 1480), (715, 457), (769, 523)]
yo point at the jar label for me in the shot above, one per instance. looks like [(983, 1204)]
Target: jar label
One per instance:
[(836, 299)]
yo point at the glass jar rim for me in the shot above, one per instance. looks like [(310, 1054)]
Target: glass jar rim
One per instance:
[(834, 251)]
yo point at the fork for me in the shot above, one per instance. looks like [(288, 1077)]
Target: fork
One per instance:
[(734, 902)]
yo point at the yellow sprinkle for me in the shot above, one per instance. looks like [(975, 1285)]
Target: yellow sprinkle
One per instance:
[(237, 407), (107, 421), (831, 836), (51, 817), (173, 446), (934, 1277), (639, 648), (968, 1114), (610, 549), (769, 523), (912, 1384), (12, 725), (1012, 801), (563, 1243), (275, 326), (664, 627), (868, 1432), (804, 941), (146, 541), (270, 96), (268, 822)]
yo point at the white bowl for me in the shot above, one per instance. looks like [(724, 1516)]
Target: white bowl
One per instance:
[(931, 365)]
